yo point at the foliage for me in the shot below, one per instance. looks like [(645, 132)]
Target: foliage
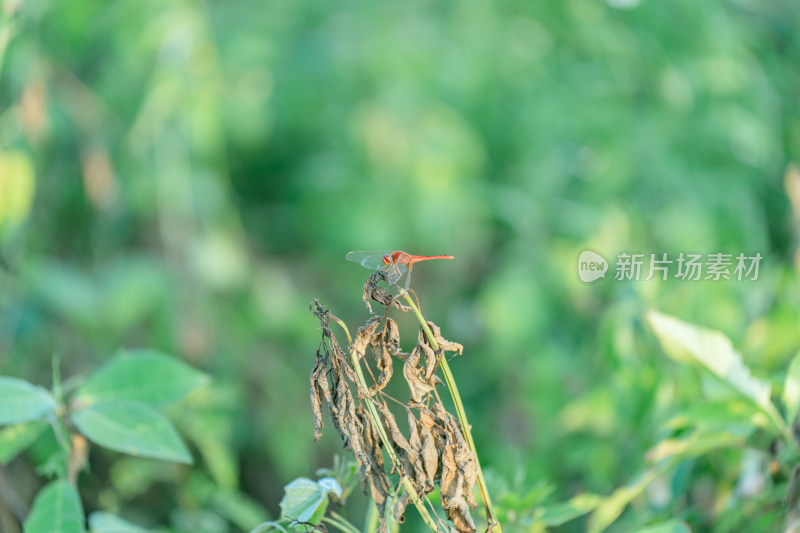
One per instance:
[(435, 453), (112, 408), (186, 176)]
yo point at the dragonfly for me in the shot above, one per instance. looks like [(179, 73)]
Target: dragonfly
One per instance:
[(394, 262)]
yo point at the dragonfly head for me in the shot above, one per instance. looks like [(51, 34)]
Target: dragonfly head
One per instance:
[(387, 259)]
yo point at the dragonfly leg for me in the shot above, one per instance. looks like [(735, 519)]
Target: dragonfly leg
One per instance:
[(393, 276)]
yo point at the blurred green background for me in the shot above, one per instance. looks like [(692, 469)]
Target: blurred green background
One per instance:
[(187, 175)]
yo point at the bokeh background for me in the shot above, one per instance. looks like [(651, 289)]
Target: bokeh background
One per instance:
[(187, 175)]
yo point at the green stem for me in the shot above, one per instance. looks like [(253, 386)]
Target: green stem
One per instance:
[(57, 419), (7, 31), (335, 519), (363, 393), (371, 522), (58, 392), (491, 516), (261, 528), (783, 428)]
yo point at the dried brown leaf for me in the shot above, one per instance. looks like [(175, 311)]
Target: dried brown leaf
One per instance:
[(316, 401), (458, 513), (432, 421), (346, 421), (466, 463), (447, 482), (430, 356), (341, 365), (435, 449), (384, 363), (428, 453), (458, 476), (452, 490), (384, 345), (78, 456), (323, 387), (399, 507), (413, 374), (373, 291), (423, 481), (427, 419), (390, 337), (414, 467), (365, 335), (393, 431), (371, 438), (414, 439), (444, 343), (337, 393), (375, 481), (379, 489)]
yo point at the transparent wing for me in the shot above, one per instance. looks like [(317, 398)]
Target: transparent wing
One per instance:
[(395, 272), (372, 260)]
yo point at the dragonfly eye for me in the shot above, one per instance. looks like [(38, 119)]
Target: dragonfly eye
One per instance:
[(387, 259)]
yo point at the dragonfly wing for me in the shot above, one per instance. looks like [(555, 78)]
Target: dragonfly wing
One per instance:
[(372, 260), (395, 272)]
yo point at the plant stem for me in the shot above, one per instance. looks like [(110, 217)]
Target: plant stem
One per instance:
[(387, 444), (261, 528), (335, 519), (491, 516), (783, 428), (371, 522), (58, 392)]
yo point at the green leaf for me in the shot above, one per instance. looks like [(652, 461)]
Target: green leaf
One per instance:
[(305, 500), (102, 522), (791, 390), (696, 444), (197, 521), (134, 428), (672, 526), (14, 439), (65, 290), (56, 509), (142, 375), (237, 507), (330, 486), (133, 288), (559, 514), (133, 476), (207, 421), (21, 401), (218, 457), (714, 351), (610, 508), (720, 415), (17, 181)]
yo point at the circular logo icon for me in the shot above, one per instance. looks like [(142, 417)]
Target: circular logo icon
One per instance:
[(591, 266)]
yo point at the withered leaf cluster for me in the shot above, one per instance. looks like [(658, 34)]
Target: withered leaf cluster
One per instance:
[(373, 291), (433, 450)]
